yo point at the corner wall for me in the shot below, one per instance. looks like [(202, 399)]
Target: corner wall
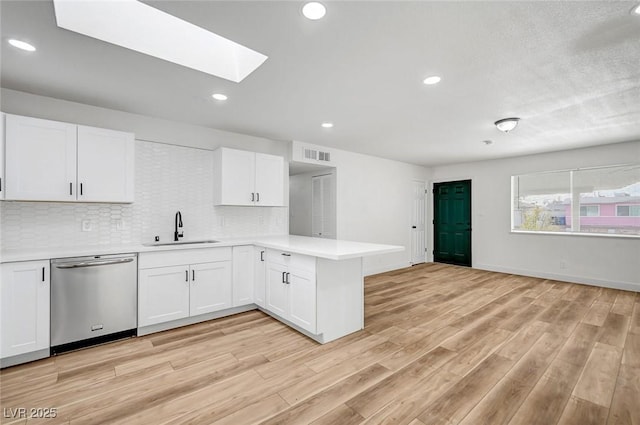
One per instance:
[(604, 261)]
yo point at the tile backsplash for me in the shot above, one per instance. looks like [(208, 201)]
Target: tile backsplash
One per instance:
[(168, 179)]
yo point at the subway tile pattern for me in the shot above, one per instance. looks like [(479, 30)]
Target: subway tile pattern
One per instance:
[(168, 179)]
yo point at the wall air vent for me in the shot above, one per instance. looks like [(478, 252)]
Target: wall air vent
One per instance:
[(311, 154), (324, 156)]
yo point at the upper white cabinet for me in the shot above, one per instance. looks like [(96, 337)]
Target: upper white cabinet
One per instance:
[(40, 159), (55, 161), (24, 312), (248, 178), (105, 165)]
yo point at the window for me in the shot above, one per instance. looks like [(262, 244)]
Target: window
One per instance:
[(589, 211), (628, 210), (604, 200)]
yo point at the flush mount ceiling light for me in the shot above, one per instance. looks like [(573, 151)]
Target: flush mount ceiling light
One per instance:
[(507, 124), (636, 10), (327, 125), (432, 80), (314, 10), (22, 45), (140, 27), (219, 96)]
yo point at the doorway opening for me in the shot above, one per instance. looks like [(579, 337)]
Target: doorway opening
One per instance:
[(452, 222), (312, 200)]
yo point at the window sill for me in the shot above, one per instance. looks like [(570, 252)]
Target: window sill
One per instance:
[(598, 235)]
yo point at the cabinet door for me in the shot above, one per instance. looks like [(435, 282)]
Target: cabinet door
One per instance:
[(24, 299), (236, 182), (210, 287), (242, 275), (277, 292), (105, 165), (269, 180), (302, 298), (40, 159), (163, 294), (260, 270)]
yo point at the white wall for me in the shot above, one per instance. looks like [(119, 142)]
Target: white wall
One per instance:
[(606, 261)]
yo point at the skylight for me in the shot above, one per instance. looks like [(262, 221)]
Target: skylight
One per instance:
[(139, 27)]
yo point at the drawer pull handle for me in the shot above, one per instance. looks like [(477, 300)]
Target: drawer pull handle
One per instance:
[(287, 279), (286, 255)]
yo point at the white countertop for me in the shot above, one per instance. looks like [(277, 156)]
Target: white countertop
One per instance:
[(331, 249)]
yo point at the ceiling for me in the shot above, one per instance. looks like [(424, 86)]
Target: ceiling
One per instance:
[(569, 70)]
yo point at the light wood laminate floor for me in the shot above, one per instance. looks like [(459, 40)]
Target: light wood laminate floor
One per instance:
[(442, 345)]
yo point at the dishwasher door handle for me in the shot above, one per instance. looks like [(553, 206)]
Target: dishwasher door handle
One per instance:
[(94, 263)]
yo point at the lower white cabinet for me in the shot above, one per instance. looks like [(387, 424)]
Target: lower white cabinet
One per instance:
[(24, 303), (243, 278), (291, 288), (210, 287), (163, 295), (171, 288), (259, 275)]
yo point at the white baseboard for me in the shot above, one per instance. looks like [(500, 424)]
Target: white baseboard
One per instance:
[(625, 286)]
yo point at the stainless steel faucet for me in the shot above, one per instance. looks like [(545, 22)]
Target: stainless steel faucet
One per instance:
[(176, 235)]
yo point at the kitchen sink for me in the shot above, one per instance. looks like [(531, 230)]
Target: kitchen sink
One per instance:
[(180, 243)]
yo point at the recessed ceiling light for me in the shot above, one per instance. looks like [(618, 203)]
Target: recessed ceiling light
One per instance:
[(314, 10), (487, 142), (507, 124), (219, 96), (139, 27), (327, 124), (23, 45), (432, 80)]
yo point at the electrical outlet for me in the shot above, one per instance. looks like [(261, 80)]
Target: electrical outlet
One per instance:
[(86, 225), (120, 224)]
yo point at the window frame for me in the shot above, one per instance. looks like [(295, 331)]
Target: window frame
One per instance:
[(569, 232)]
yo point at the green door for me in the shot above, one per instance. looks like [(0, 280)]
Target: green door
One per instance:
[(452, 222)]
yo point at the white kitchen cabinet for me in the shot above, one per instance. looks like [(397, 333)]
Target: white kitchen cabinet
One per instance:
[(259, 275), (248, 178), (210, 287), (105, 165), (40, 159), (175, 285), (269, 180), (302, 298), (243, 275), (25, 300), (291, 288), (277, 291), (55, 161), (163, 294)]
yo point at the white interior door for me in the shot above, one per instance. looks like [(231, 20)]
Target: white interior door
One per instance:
[(417, 222), (323, 206)]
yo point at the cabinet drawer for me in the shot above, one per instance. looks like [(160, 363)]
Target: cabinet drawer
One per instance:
[(184, 256), (299, 261)]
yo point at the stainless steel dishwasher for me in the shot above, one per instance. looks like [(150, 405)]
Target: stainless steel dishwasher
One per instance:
[(93, 300)]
